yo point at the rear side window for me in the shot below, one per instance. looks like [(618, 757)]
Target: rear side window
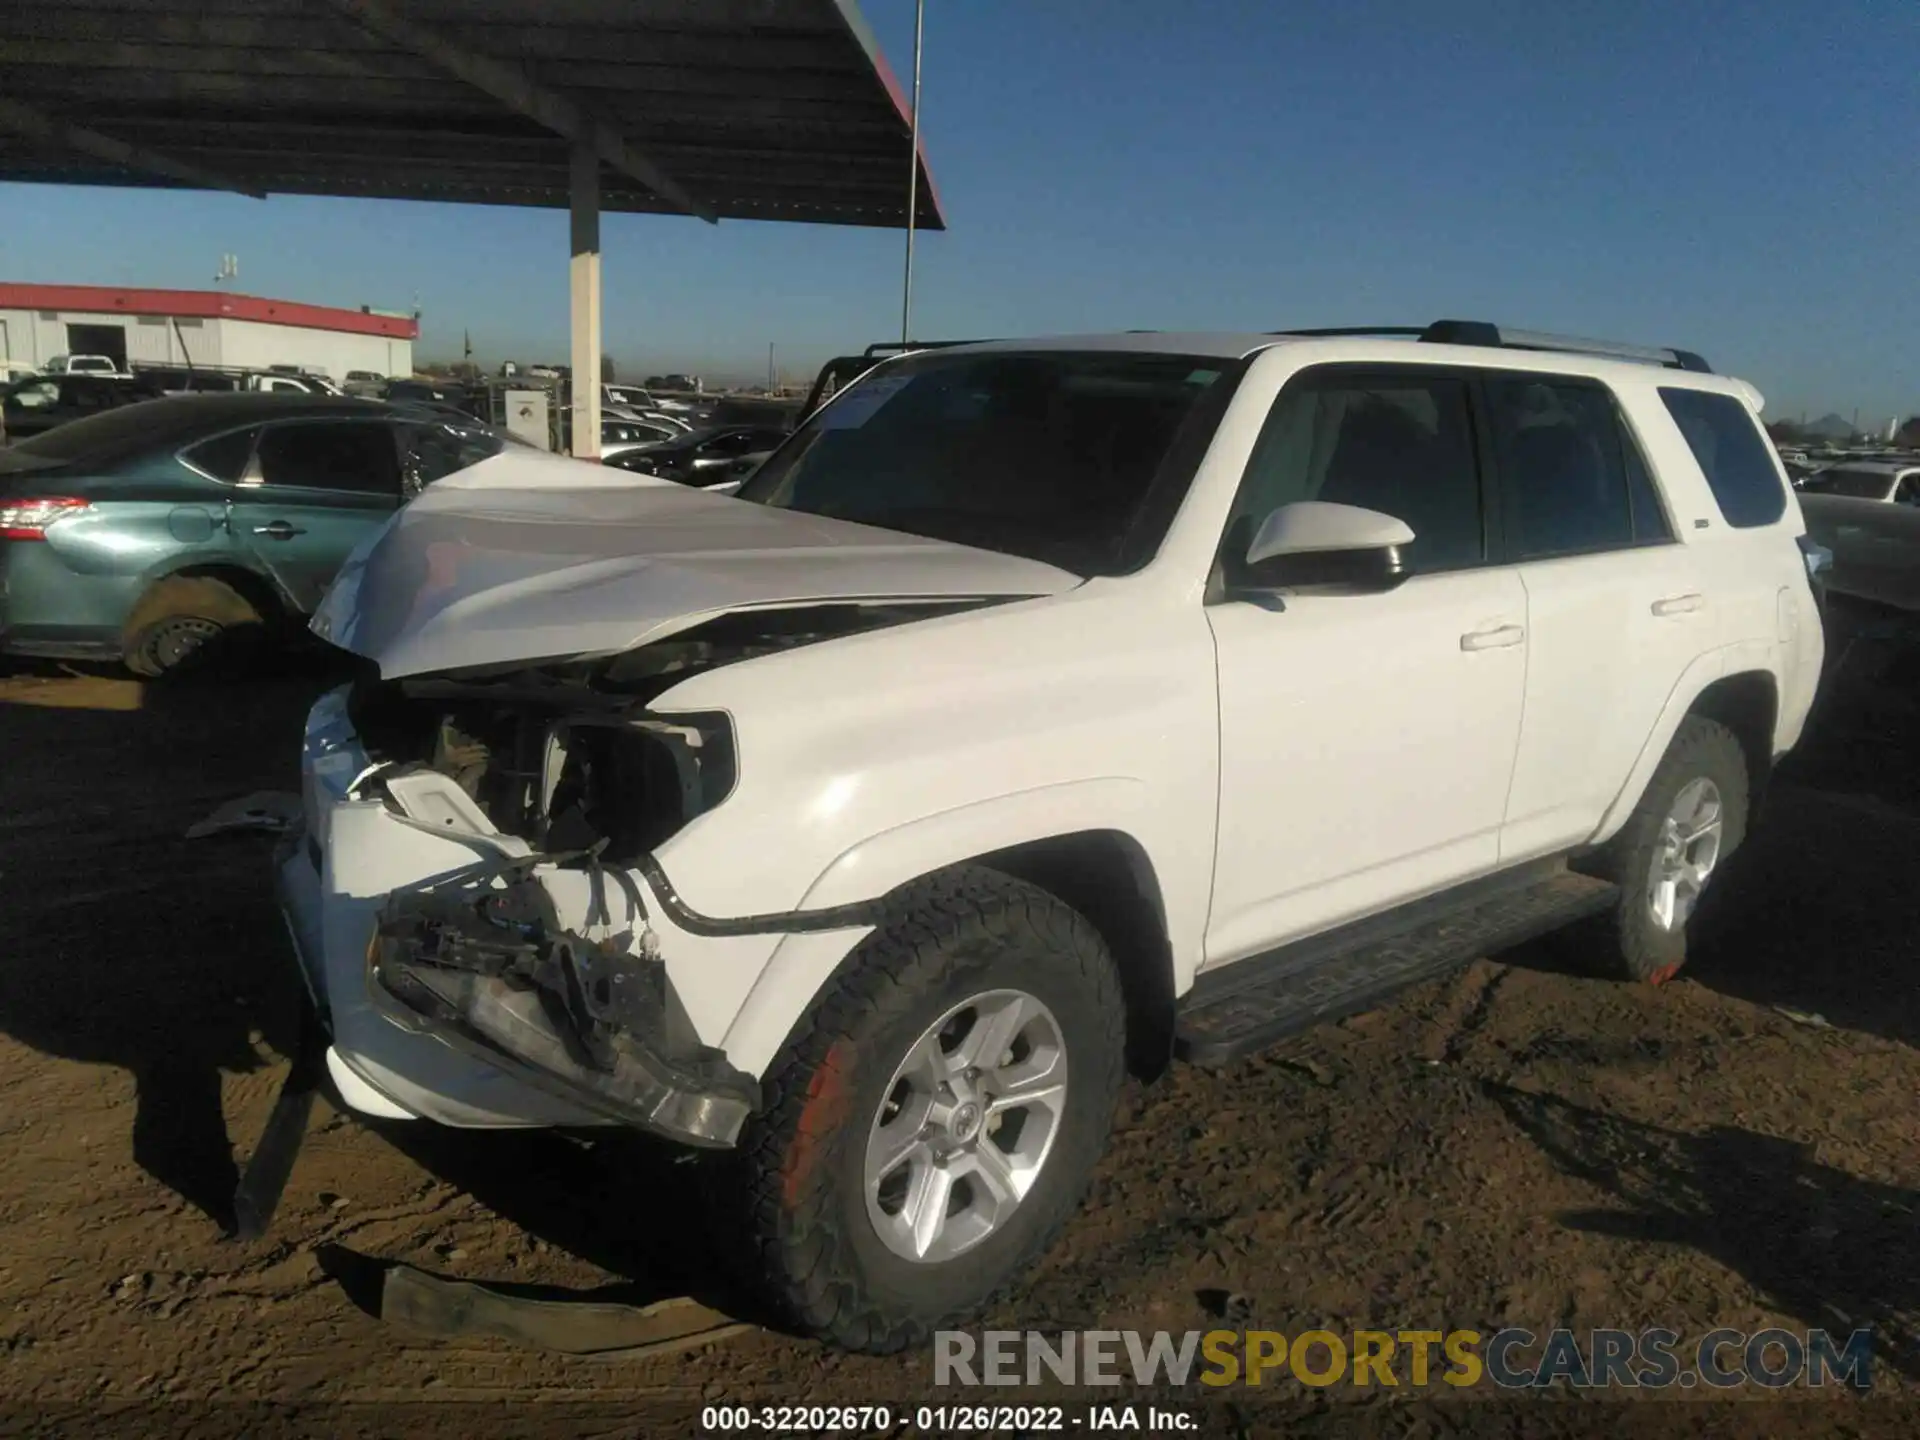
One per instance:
[(224, 456), (1563, 476), (354, 456), (1733, 453)]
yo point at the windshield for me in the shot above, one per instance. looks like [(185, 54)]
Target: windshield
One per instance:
[(1048, 454)]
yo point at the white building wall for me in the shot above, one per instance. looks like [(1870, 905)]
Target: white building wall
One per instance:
[(16, 336), (256, 346), (36, 336)]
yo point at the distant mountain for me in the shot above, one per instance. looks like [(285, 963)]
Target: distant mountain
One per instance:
[(1829, 427)]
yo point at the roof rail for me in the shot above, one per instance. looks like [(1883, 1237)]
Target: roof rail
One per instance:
[(1332, 331), (1482, 332), (894, 347)]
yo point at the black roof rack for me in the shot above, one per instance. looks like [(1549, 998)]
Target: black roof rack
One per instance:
[(1483, 332)]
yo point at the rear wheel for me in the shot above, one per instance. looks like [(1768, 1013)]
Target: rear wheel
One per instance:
[(189, 622), (934, 1120), (1692, 817)]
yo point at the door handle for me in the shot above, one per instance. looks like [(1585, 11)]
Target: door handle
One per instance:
[(1679, 605), (1498, 638), (278, 530)]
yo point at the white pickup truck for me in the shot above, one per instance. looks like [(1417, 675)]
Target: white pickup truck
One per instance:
[(1040, 710)]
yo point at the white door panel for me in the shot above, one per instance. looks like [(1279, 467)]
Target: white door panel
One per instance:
[(1366, 746), (1609, 637)]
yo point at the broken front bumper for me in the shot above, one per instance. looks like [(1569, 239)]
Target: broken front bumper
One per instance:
[(371, 900), (490, 970)]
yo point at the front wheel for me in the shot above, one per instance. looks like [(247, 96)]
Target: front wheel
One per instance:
[(934, 1119), (1692, 817)]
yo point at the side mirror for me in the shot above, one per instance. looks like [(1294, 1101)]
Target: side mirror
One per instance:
[(1315, 544)]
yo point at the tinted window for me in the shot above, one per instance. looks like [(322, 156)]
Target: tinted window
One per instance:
[(341, 455), (1650, 523), (1563, 480), (224, 456), (729, 442), (1909, 491), (1049, 454), (1733, 453), (1399, 444)]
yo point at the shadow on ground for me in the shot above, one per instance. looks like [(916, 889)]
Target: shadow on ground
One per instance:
[(1833, 1250), (632, 1206), (131, 946), (1820, 915), (1819, 912)]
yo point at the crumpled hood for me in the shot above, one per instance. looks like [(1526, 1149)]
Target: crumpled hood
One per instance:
[(530, 557)]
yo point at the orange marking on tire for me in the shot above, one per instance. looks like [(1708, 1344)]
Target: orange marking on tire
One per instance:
[(820, 1117)]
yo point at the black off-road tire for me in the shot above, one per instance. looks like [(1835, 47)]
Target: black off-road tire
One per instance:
[(817, 1261), (188, 622), (1625, 943)]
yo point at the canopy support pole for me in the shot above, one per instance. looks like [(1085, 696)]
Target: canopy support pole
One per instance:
[(583, 278)]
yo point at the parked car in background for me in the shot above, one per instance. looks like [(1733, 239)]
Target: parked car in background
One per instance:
[(82, 365), (636, 432), (1894, 481), (280, 382), (700, 458), (629, 400), (424, 391), (186, 380), (44, 402), (152, 532), (1867, 512), (627, 403), (369, 384)]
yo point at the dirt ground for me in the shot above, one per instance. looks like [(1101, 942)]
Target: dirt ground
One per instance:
[(1514, 1146)]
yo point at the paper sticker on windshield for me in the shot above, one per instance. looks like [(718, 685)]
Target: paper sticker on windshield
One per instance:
[(856, 404)]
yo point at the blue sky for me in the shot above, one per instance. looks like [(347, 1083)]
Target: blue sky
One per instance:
[(1738, 178)]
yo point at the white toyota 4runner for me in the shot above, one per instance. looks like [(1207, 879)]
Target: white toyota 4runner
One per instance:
[(1040, 711)]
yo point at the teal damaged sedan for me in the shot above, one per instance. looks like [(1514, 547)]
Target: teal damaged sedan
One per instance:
[(176, 529)]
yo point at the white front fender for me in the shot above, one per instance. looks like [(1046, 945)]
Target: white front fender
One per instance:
[(801, 964)]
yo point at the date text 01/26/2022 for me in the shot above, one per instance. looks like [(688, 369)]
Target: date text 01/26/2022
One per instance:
[(941, 1419)]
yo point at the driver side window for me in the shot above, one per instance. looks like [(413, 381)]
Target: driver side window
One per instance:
[(1399, 444)]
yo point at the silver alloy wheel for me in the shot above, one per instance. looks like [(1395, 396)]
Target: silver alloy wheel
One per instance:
[(1687, 849), (966, 1125)]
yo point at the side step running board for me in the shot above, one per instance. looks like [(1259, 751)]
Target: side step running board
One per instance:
[(1250, 1005)]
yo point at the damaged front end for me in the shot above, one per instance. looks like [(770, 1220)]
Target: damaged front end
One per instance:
[(490, 968), (570, 781)]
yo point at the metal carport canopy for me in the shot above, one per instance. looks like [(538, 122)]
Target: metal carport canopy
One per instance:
[(736, 109)]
